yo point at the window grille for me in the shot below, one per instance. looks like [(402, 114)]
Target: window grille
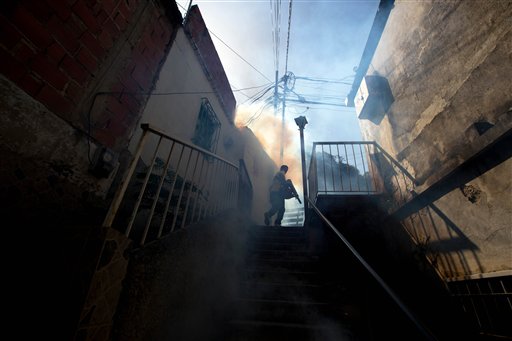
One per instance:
[(207, 127)]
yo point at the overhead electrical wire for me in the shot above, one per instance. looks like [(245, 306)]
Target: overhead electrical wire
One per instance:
[(255, 97), (263, 94), (229, 47), (258, 93), (288, 38), (323, 108), (324, 80), (275, 16), (258, 113), (321, 88), (235, 89), (316, 102), (322, 100), (232, 50)]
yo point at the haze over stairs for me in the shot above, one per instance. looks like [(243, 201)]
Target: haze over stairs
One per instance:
[(288, 293)]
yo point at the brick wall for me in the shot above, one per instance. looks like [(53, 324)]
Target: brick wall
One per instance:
[(61, 61), (64, 52)]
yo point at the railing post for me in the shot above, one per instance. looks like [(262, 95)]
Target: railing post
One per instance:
[(118, 197), (171, 191), (143, 189), (157, 195), (178, 203), (185, 212), (197, 188)]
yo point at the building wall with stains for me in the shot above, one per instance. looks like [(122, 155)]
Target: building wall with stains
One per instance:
[(175, 105), (449, 67)]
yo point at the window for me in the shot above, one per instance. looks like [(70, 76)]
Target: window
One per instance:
[(207, 127)]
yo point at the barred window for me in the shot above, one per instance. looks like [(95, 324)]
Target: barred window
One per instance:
[(207, 127)]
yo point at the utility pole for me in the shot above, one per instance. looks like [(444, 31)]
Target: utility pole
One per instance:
[(275, 95), (301, 122), (282, 121), (281, 154)]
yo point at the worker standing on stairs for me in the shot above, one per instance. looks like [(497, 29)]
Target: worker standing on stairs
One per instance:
[(277, 196)]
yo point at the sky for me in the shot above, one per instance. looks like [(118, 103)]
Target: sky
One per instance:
[(327, 38)]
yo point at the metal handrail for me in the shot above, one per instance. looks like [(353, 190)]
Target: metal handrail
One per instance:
[(219, 178), (395, 162), (423, 329), (148, 127)]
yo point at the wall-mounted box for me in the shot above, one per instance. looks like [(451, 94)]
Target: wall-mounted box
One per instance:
[(373, 98)]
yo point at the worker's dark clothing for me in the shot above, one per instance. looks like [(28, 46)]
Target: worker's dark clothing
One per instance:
[(276, 198)]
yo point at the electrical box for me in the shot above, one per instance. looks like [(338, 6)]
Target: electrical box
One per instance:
[(373, 98), (103, 162)]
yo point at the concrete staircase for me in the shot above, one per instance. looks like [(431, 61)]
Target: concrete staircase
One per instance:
[(288, 294)]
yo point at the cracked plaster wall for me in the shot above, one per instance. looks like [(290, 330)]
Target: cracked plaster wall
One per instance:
[(449, 66)]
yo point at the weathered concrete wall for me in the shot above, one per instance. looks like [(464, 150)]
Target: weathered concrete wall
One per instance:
[(181, 287), (44, 160), (449, 66), (97, 317)]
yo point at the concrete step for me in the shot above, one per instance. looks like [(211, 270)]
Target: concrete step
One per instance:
[(278, 238), (278, 254), (254, 330), (271, 231), (283, 291), (295, 311), (258, 246), (285, 277), (303, 264)]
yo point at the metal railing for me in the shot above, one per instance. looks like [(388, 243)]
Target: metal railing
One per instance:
[(421, 328), (293, 217), (370, 169), (170, 184), (342, 168), (487, 302)]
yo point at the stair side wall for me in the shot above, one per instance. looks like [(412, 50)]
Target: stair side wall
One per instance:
[(449, 69)]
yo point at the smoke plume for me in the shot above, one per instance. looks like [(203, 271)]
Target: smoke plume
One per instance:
[(267, 127)]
